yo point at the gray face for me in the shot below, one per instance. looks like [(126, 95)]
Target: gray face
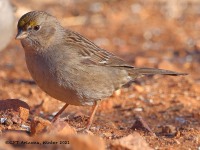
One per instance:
[(36, 28)]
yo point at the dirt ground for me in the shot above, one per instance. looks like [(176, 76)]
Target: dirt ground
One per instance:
[(152, 33)]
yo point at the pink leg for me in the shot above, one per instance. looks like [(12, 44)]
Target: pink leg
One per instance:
[(60, 112), (94, 109)]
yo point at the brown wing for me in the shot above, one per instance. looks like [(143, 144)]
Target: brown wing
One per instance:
[(103, 58), (92, 54)]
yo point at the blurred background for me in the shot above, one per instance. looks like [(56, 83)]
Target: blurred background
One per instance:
[(146, 33)]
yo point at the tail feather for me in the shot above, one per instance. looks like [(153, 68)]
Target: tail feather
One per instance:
[(153, 71)]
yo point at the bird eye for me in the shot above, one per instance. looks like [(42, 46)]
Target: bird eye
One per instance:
[(36, 28)]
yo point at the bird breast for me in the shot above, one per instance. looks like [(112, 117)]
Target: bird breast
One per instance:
[(46, 76)]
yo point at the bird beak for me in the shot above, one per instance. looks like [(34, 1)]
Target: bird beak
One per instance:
[(21, 35)]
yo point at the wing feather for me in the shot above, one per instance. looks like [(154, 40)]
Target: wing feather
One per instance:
[(92, 54)]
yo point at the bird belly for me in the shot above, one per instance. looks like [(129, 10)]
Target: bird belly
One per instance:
[(48, 82)]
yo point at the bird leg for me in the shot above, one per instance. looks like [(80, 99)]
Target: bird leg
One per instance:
[(94, 109), (60, 112)]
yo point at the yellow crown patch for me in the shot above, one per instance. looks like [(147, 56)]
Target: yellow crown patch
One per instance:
[(26, 21)]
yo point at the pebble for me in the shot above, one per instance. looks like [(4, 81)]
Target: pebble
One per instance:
[(107, 135), (38, 125), (2, 120), (133, 141), (23, 113), (138, 109), (27, 128), (8, 122), (117, 93), (61, 128), (16, 119), (180, 120), (168, 130), (139, 88), (132, 96)]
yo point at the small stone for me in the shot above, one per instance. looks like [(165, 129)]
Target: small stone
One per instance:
[(131, 142), (62, 128), (178, 134), (23, 113), (107, 135), (132, 96), (180, 120), (2, 120), (39, 125), (8, 122), (84, 131), (177, 142), (140, 124), (16, 119), (27, 128), (168, 130), (138, 109), (117, 93), (96, 128), (141, 98), (139, 88)]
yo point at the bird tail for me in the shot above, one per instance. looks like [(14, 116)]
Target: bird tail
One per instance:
[(135, 72)]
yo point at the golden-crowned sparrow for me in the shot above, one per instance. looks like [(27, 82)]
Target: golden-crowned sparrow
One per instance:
[(71, 68)]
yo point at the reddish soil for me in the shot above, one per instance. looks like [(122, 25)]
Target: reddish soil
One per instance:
[(143, 34)]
